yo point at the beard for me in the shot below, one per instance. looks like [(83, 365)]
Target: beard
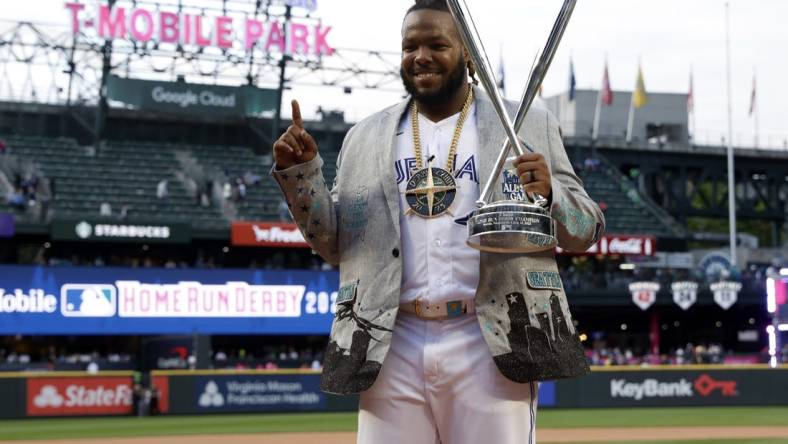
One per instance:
[(457, 78)]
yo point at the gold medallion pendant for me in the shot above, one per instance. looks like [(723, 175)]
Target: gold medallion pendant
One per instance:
[(431, 192)]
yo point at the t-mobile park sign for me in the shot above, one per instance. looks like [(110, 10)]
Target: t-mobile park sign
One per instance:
[(225, 32)]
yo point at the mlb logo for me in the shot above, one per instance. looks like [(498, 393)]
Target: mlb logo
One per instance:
[(88, 300)]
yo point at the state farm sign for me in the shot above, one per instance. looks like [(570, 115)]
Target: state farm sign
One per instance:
[(621, 244), (267, 234), (79, 396)]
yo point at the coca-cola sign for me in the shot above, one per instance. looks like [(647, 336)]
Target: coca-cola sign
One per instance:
[(620, 244), (267, 234), (71, 396)]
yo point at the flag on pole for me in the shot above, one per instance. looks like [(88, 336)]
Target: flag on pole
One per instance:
[(607, 92), (754, 107), (604, 96), (640, 97), (572, 81), (691, 96), (502, 76)]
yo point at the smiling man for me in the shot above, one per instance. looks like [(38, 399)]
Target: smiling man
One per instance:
[(445, 344)]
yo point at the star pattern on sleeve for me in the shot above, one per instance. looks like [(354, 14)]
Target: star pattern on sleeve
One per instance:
[(300, 176), (305, 209)]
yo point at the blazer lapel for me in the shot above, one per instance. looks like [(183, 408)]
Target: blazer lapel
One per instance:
[(388, 133), (491, 136)]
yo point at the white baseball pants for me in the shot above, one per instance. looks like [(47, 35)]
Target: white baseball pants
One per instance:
[(439, 385)]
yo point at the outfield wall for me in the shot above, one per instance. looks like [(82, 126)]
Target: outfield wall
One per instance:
[(25, 395), (185, 392)]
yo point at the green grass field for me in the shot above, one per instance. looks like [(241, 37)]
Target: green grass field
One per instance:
[(43, 429)]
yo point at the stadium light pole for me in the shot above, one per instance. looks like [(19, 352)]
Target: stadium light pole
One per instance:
[(102, 109), (282, 70), (731, 170)]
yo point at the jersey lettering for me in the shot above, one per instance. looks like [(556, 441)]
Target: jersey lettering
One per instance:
[(405, 167)]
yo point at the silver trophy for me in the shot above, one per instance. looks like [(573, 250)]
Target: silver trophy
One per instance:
[(510, 226)]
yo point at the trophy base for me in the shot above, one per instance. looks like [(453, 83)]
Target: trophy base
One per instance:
[(511, 227)]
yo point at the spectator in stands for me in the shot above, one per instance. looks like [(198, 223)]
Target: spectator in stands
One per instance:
[(3, 147), (227, 191), (241, 186), (105, 209), (591, 164), (207, 192), (124, 212), (161, 189), (92, 367), (17, 199), (252, 179), (284, 212)]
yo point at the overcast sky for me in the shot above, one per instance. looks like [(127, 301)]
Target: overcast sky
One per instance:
[(667, 36)]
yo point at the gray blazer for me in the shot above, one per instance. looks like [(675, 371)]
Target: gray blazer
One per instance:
[(520, 302)]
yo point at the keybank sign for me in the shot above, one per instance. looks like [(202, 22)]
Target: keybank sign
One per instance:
[(189, 98)]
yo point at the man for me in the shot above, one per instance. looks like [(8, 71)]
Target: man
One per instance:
[(405, 334)]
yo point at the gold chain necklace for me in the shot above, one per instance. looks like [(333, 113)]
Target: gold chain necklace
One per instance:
[(431, 191), (455, 140)]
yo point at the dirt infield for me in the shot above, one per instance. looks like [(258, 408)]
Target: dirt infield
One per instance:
[(543, 436)]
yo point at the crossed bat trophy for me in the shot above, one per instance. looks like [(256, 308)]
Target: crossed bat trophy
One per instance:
[(510, 226)]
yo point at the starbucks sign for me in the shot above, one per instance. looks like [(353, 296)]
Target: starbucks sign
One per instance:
[(104, 231)]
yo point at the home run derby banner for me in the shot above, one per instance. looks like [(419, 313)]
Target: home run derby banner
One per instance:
[(76, 300)]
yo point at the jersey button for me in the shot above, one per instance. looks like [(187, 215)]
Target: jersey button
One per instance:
[(395, 252)]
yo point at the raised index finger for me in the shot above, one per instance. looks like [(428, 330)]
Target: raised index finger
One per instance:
[(297, 120)]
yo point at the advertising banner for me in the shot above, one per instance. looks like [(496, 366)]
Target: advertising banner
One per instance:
[(620, 244), (88, 230), (257, 393), (704, 387), (50, 300), (6, 225), (190, 98), (75, 396), (267, 234)]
